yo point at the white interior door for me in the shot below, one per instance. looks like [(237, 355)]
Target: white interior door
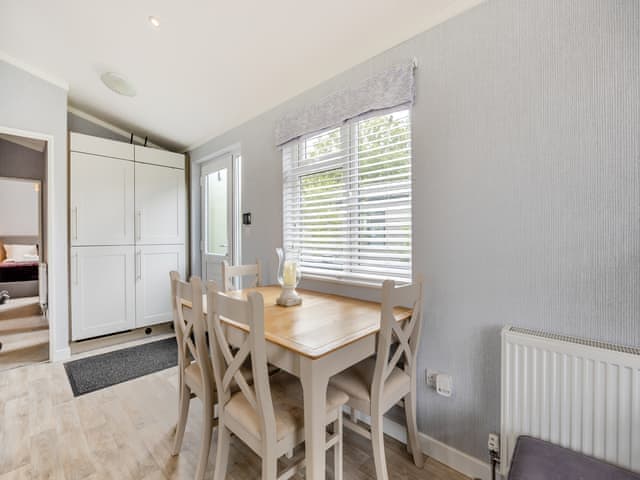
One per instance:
[(217, 195)]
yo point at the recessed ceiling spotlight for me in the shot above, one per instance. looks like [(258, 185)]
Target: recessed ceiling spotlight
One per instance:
[(154, 21), (118, 84)]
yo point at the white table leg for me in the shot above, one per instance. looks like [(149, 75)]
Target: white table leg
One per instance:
[(314, 386)]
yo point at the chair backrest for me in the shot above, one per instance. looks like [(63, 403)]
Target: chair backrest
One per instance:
[(230, 272), (189, 325), (397, 341), (228, 359)]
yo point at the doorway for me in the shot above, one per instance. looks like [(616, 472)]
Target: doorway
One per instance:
[(220, 213), (24, 326)]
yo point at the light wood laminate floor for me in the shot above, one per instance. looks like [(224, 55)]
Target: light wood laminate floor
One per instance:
[(125, 432)]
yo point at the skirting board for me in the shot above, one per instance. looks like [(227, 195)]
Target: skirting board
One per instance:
[(61, 354), (452, 457)]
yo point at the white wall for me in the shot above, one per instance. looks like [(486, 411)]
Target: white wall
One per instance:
[(19, 201), (32, 104)]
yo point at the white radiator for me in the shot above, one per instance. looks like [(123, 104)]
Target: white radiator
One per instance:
[(43, 286), (580, 394)]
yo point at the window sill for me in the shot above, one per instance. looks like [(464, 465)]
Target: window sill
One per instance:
[(335, 280)]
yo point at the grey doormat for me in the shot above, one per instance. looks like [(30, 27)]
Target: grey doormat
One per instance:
[(101, 371)]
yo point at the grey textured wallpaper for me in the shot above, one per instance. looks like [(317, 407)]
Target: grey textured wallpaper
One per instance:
[(526, 142)]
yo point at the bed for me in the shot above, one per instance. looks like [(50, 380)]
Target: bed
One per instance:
[(19, 277), (18, 271)]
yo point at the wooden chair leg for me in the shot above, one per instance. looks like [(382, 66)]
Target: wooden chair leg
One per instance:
[(205, 443), (377, 442), (222, 452), (337, 449), (183, 414), (413, 440), (269, 465)]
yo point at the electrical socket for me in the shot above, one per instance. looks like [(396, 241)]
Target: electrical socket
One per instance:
[(494, 442), (430, 377)]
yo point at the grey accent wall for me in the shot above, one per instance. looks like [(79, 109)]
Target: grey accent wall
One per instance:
[(17, 161), (31, 104), (526, 146), (81, 125)]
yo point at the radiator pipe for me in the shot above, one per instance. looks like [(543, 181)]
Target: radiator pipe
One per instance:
[(495, 461)]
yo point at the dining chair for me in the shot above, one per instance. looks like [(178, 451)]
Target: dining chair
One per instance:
[(229, 272), (267, 415), (378, 383), (194, 364)]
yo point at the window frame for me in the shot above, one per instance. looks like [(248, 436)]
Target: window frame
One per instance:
[(349, 136)]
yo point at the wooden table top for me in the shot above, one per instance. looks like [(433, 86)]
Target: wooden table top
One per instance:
[(322, 324)]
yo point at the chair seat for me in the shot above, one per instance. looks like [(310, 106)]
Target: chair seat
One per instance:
[(356, 382), (193, 377), (286, 392)]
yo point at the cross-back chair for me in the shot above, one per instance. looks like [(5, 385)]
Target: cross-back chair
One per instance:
[(194, 364), (267, 415), (380, 382), (229, 272)]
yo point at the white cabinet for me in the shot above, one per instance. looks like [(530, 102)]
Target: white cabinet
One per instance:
[(159, 205), (154, 156), (79, 142), (153, 290), (127, 224), (102, 196), (102, 290)]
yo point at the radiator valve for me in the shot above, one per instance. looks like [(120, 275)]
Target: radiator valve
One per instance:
[(494, 443)]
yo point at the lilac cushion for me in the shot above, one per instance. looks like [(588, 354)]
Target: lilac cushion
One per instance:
[(535, 459)]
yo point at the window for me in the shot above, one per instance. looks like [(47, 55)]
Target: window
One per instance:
[(347, 199)]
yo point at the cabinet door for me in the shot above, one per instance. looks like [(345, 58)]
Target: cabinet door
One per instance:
[(102, 290), (155, 156), (160, 204), (153, 289), (101, 200)]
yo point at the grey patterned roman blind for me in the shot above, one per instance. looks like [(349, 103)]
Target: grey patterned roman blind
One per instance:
[(388, 88)]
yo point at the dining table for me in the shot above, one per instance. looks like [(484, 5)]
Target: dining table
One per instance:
[(315, 340)]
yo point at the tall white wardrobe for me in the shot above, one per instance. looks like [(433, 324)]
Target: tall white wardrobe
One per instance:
[(127, 227)]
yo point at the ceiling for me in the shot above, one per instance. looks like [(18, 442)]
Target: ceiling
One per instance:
[(211, 65)]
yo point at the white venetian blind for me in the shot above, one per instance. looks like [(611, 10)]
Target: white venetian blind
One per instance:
[(347, 199)]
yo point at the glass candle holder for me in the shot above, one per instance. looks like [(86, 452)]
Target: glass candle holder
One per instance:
[(289, 276)]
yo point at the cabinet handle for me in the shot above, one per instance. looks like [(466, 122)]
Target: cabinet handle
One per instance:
[(139, 226), (75, 269), (75, 223), (139, 265)]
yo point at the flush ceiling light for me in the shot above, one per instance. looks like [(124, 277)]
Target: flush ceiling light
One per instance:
[(118, 84), (154, 21)]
